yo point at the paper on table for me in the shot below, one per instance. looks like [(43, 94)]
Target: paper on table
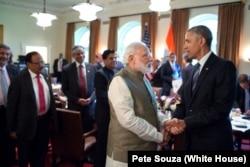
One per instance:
[(176, 85)]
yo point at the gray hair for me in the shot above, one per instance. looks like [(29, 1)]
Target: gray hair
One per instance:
[(131, 50), (4, 46)]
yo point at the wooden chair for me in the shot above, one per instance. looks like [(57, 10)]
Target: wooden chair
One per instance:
[(69, 143)]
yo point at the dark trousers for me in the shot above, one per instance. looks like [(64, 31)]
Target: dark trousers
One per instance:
[(101, 144), (7, 144), (34, 150)]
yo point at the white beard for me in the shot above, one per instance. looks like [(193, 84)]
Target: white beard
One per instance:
[(142, 67)]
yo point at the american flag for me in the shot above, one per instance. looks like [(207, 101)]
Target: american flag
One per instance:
[(146, 36)]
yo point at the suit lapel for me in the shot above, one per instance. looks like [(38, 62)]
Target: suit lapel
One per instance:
[(204, 72)]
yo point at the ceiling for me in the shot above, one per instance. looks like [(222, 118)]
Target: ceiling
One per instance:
[(61, 6)]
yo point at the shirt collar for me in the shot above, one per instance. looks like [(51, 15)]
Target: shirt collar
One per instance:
[(78, 64), (33, 75), (3, 68), (204, 59)]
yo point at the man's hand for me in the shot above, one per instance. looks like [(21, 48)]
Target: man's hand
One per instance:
[(84, 102), (175, 126)]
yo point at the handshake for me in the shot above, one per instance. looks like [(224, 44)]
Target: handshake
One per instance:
[(172, 127)]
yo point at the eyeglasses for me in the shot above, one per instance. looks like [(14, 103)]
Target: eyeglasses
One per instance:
[(38, 63)]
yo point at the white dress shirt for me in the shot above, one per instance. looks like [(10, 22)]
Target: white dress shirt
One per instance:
[(46, 90)]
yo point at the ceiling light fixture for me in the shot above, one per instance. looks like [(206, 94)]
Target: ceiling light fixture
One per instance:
[(44, 19), (87, 10), (159, 5)]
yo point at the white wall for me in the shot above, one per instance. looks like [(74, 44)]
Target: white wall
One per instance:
[(20, 28)]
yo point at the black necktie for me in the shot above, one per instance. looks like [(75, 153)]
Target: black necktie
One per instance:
[(196, 75)]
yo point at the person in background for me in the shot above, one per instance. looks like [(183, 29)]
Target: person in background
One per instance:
[(242, 105), (99, 61), (134, 120), (170, 71), (157, 80), (119, 65), (31, 108), (242, 97), (8, 71), (156, 65), (57, 67), (102, 78), (78, 86), (187, 62), (207, 98)]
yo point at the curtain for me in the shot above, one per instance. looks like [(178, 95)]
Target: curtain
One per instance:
[(180, 19), (94, 44), (230, 24), (69, 41), (1, 33), (152, 20), (112, 36)]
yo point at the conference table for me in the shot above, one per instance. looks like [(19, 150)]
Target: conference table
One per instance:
[(61, 99), (241, 130)]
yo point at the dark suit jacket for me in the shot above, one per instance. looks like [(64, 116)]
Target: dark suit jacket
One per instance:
[(157, 80), (22, 108), (55, 65), (12, 70), (185, 72), (166, 76), (206, 110), (240, 98), (71, 88), (102, 78)]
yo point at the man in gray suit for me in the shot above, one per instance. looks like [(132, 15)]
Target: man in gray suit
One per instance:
[(206, 98), (31, 108), (7, 144), (78, 86)]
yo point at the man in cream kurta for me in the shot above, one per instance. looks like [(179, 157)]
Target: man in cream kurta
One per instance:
[(134, 120)]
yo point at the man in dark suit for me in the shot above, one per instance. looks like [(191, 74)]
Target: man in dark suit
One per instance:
[(242, 97), (206, 98), (157, 80), (170, 71), (187, 62), (242, 101), (7, 144), (102, 78), (99, 61), (185, 72), (57, 67), (31, 107), (78, 86)]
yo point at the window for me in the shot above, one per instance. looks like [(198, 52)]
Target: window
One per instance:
[(128, 33), (82, 36), (43, 50)]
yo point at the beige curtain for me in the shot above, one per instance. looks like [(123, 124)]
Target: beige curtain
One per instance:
[(69, 41), (1, 33), (112, 36), (152, 20), (229, 36), (180, 19), (95, 28)]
